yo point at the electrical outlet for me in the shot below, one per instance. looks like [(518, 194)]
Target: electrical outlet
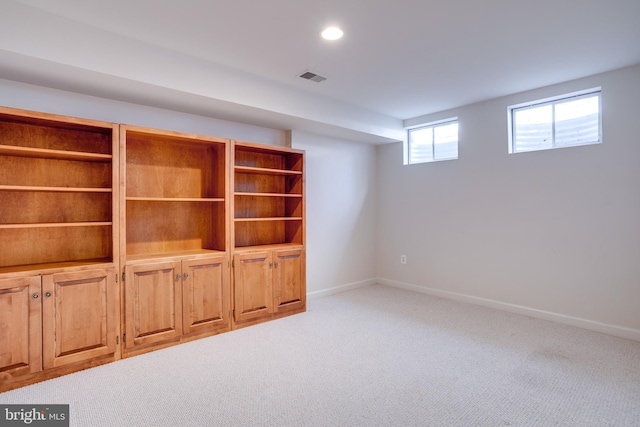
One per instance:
[(403, 259)]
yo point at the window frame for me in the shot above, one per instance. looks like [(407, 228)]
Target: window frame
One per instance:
[(553, 101), (432, 125)]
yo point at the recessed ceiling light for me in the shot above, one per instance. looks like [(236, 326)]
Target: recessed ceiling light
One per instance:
[(332, 33)]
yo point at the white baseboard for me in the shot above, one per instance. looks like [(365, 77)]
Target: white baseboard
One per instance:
[(618, 331), (341, 288)]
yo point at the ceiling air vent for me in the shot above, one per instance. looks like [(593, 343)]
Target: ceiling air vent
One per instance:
[(312, 76)]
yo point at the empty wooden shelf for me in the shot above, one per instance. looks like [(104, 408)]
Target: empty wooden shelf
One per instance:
[(268, 231)]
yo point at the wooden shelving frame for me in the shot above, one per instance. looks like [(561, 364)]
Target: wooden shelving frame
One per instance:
[(58, 191), (269, 203), (175, 198), (175, 238), (85, 203)]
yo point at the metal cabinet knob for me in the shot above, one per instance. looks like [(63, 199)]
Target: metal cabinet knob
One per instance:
[(48, 294), (35, 296), (185, 275)]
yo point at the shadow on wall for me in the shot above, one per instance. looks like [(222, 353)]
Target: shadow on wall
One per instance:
[(341, 211)]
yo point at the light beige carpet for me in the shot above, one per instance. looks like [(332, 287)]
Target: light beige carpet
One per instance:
[(375, 356)]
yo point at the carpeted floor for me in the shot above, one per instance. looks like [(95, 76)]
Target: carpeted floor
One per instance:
[(375, 356)]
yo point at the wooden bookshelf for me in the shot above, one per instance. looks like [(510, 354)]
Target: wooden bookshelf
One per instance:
[(175, 192), (58, 251), (268, 232), (175, 238), (57, 185)]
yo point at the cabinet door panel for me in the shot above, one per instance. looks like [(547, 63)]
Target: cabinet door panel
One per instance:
[(206, 297), (289, 279), (20, 327), (153, 299), (79, 316), (252, 283)]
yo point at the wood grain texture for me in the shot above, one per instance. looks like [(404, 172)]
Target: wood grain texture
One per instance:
[(55, 133), (79, 316), (12, 150), (54, 245), (254, 233), (289, 280), (54, 372), (268, 226), (259, 207), (253, 285), (173, 168), (153, 298), (267, 196), (56, 189), (175, 192), (20, 327), (54, 207), (259, 158), (206, 294), (172, 227), (31, 171)]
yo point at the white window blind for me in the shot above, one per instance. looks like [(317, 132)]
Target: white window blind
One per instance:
[(561, 122), (433, 142)]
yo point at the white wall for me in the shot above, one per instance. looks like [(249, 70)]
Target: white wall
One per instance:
[(341, 212), (38, 98), (340, 176), (553, 233)]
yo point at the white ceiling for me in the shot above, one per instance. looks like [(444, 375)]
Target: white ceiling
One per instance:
[(398, 59)]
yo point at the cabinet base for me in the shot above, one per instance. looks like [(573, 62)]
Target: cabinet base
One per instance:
[(12, 383), (147, 348), (243, 324)]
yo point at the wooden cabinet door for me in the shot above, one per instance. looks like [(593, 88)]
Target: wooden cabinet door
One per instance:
[(20, 327), (79, 316), (206, 294), (153, 303), (252, 285), (289, 291)]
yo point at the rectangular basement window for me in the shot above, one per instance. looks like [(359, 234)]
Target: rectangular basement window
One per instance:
[(564, 121), (433, 142)]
